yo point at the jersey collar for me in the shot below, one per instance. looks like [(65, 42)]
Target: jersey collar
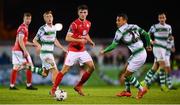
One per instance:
[(123, 27)]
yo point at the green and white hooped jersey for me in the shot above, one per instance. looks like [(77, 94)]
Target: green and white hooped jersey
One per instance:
[(170, 45), (129, 34), (161, 34), (46, 35)]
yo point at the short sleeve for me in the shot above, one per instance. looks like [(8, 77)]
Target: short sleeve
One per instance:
[(117, 36), (152, 29), (170, 30), (72, 28), (21, 32), (40, 32)]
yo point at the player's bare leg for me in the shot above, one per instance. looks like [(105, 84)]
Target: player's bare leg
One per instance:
[(54, 74), (85, 77)]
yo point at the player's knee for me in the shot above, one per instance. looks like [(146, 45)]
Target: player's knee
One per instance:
[(16, 67), (155, 67), (30, 64), (91, 68), (45, 73), (65, 69), (162, 66)]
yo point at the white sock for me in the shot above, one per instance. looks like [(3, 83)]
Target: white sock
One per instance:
[(57, 88), (28, 84), (11, 85), (141, 88)]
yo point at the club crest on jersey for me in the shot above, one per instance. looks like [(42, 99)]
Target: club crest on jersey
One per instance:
[(84, 32)]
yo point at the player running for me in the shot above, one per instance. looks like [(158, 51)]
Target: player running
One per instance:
[(20, 55), (77, 36), (161, 32), (129, 34), (45, 40), (170, 48)]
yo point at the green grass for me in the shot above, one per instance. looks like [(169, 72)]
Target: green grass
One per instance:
[(94, 95)]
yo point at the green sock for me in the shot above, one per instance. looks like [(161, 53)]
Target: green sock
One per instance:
[(162, 77), (36, 70), (155, 77), (133, 81), (169, 80), (127, 85), (149, 75)]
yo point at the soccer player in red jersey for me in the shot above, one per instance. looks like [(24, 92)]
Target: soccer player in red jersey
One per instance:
[(20, 55), (77, 36)]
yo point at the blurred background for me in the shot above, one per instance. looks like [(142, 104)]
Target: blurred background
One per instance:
[(102, 15)]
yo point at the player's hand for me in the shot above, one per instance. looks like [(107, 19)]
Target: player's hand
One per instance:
[(38, 49), (92, 44), (152, 42), (149, 48), (65, 50), (101, 52)]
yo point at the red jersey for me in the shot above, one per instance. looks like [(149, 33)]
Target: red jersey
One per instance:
[(22, 30), (78, 28)]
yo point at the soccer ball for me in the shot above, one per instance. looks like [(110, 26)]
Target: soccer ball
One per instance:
[(58, 26), (60, 95)]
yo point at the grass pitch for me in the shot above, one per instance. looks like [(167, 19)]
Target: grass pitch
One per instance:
[(94, 95)]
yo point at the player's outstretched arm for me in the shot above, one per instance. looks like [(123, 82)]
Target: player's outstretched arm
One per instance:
[(110, 47), (59, 45)]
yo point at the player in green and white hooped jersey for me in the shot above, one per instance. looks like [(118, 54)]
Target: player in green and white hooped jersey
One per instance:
[(129, 34), (161, 32), (170, 48), (45, 40)]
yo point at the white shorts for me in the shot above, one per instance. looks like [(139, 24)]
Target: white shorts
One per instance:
[(159, 53), (73, 57), (46, 64), (19, 59), (167, 61), (136, 61)]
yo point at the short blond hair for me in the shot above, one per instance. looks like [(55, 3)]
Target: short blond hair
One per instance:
[(47, 12)]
